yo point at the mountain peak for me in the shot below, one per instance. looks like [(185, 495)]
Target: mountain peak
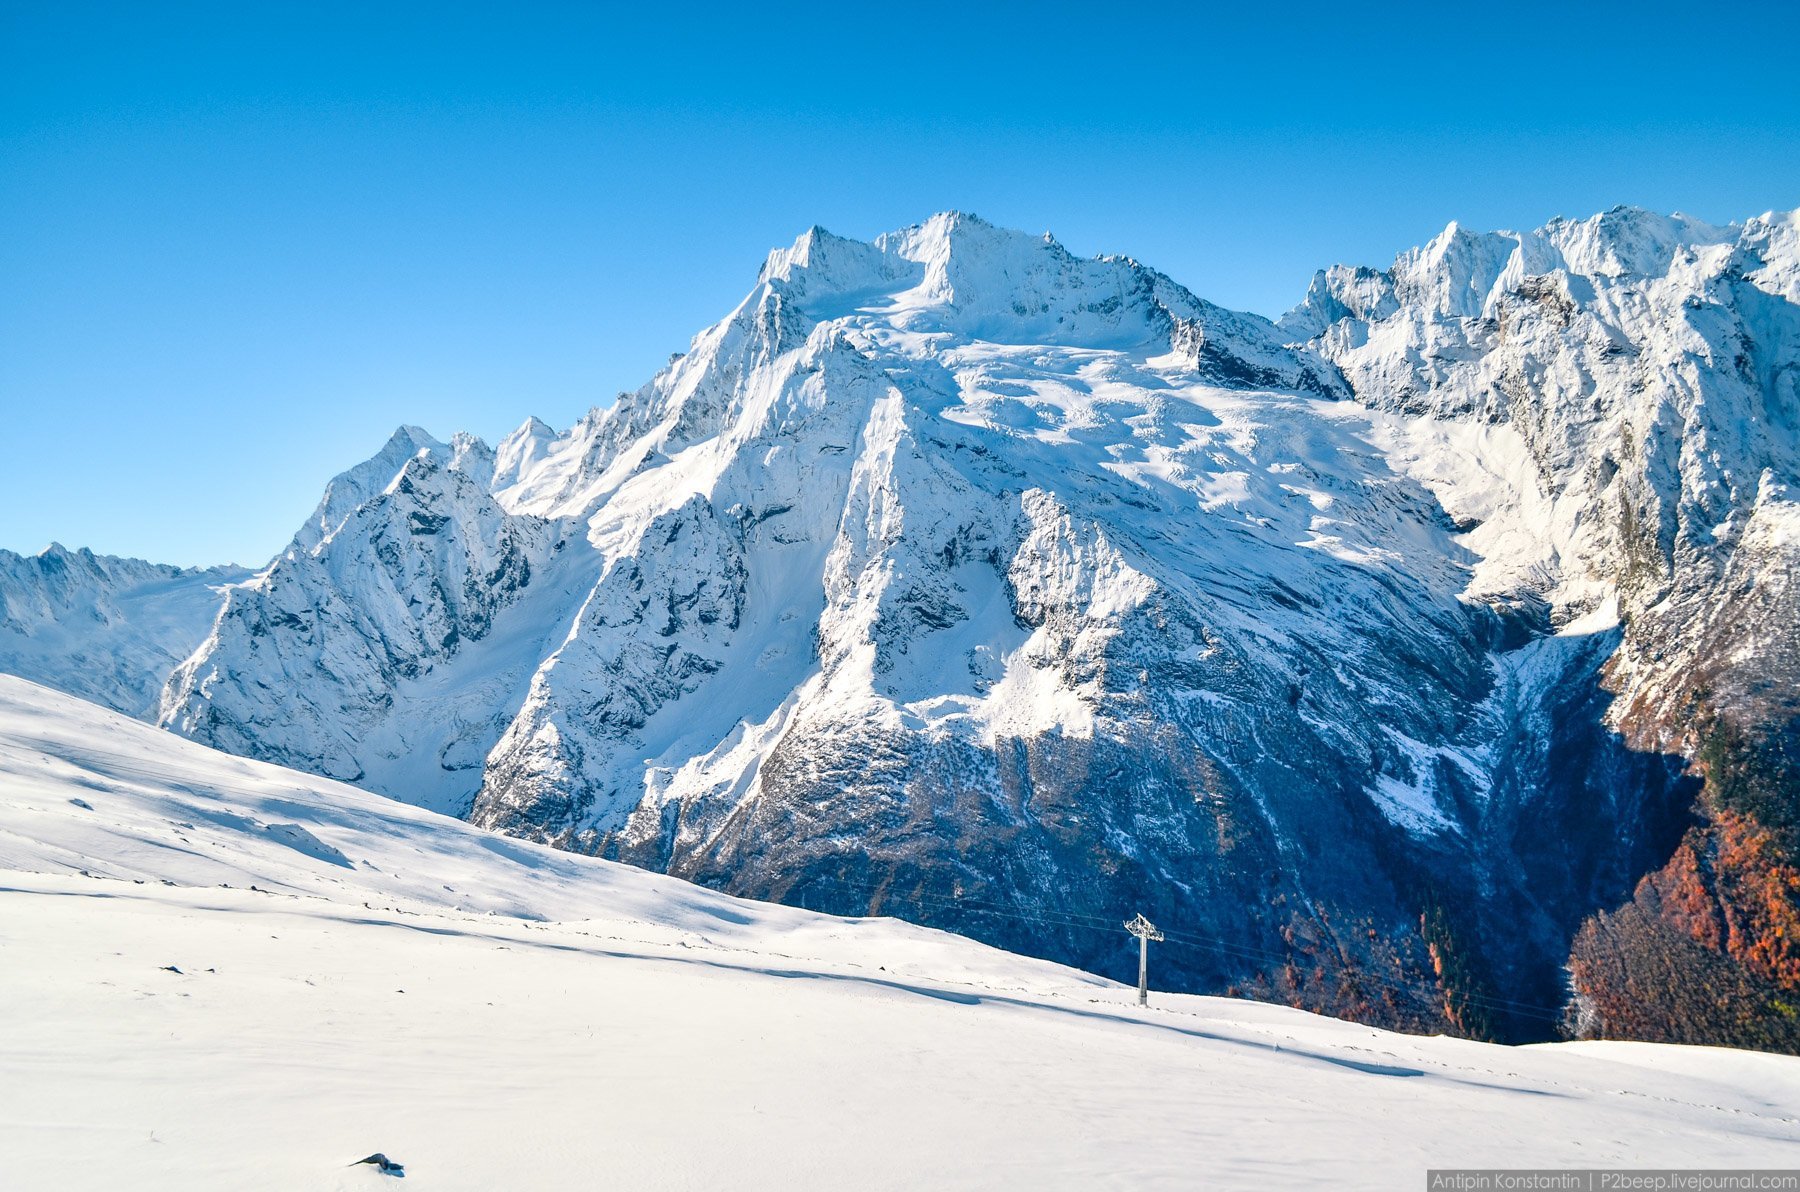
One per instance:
[(958, 272), (520, 450), (962, 237), (1630, 241), (411, 438), (900, 255), (826, 259), (351, 488)]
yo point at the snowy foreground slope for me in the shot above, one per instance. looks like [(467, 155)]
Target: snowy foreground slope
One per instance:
[(356, 975)]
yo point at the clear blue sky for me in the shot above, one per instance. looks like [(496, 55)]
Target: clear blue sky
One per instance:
[(240, 243)]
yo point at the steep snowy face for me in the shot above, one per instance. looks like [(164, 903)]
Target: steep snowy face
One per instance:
[(106, 629)]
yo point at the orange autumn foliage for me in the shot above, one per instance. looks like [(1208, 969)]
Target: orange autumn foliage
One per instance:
[(1731, 888)]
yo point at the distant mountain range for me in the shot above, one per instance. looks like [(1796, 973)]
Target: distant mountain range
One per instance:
[(1428, 657), (109, 630)]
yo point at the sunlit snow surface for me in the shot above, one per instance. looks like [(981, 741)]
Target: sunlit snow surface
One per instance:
[(496, 1015)]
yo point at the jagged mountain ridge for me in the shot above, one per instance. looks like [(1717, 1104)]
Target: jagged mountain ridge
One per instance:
[(1647, 363), (953, 575)]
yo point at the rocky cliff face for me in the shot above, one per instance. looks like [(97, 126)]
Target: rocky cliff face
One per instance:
[(107, 629), (956, 577)]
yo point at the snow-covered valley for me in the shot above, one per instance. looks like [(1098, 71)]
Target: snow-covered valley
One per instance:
[(216, 973)]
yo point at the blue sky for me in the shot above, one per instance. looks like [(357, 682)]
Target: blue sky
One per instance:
[(240, 243)]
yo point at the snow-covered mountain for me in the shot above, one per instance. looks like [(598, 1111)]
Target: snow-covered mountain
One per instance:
[(104, 628), (1649, 367), (223, 974), (337, 647), (954, 576), (1646, 371)]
